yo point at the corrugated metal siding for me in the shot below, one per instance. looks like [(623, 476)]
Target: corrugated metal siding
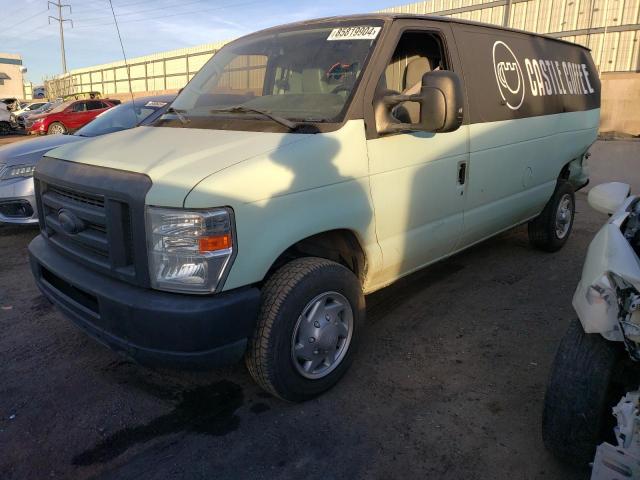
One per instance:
[(582, 20), (160, 71)]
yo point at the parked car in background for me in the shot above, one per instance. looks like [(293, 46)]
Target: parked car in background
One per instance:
[(5, 119), (82, 96), (30, 107), (12, 103), (18, 116), (22, 120), (69, 116), (17, 161)]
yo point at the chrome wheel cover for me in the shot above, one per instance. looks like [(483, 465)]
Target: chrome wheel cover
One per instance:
[(56, 130), (563, 216), (322, 335)]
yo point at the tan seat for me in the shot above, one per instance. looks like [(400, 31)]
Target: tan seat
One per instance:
[(412, 83), (313, 81)]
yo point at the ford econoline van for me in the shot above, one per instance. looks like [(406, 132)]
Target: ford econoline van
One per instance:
[(302, 168)]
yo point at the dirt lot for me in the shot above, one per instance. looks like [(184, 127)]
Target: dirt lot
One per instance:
[(448, 384), (5, 140)]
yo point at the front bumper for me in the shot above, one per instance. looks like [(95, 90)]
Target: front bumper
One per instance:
[(36, 129), (18, 202), (152, 327), (609, 251)]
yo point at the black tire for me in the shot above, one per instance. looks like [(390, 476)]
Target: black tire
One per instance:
[(284, 297), (59, 125), (580, 394), (5, 128), (542, 229)]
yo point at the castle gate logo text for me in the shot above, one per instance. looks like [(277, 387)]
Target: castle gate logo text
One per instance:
[(544, 77)]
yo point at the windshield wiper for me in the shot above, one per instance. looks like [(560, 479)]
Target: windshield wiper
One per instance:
[(180, 114), (265, 113)]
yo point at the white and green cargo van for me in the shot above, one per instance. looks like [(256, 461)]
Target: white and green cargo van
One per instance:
[(302, 168)]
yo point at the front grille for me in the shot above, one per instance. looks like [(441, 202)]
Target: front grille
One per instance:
[(91, 239), (95, 200), (95, 215)]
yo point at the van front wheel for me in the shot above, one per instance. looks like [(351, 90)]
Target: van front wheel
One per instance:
[(551, 229), (311, 317)]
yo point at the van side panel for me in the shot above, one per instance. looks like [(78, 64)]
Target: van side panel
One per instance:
[(512, 182), (534, 105), (301, 189)]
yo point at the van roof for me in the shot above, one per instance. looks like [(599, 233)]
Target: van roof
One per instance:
[(436, 18)]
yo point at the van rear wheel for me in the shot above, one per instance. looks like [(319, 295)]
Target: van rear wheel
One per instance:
[(551, 229), (310, 320)]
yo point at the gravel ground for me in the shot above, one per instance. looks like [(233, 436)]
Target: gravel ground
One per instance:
[(7, 139), (448, 384)]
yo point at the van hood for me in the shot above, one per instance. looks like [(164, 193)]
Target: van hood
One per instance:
[(175, 159)]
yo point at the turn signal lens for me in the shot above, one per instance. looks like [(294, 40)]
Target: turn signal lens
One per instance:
[(213, 244)]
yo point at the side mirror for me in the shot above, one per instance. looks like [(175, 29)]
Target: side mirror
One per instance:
[(608, 197), (441, 105)]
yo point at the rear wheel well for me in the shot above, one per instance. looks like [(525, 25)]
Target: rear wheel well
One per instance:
[(565, 172), (340, 246)]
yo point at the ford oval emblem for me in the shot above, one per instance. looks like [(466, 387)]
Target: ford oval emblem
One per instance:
[(70, 222)]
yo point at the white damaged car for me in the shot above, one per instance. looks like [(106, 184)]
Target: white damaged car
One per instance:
[(597, 361)]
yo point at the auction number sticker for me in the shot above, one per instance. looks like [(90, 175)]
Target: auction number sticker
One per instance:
[(359, 32)]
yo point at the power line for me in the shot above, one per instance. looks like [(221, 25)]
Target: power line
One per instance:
[(121, 5), (144, 11), (171, 15), (24, 34), (124, 55), (19, 23)]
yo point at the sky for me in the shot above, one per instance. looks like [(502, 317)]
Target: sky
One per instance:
[(146, 26)]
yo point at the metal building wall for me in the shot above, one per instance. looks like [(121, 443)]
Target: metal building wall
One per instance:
[(611, 28), (152, 73)]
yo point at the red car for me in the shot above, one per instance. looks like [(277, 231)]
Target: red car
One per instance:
[(69, 116)]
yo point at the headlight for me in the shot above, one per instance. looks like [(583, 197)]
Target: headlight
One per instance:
[(189, 251), (18, 171)]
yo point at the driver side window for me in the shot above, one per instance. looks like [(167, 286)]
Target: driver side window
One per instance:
[(416, 54)]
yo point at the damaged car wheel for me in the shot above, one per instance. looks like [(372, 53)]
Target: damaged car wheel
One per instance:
[(581, 391)]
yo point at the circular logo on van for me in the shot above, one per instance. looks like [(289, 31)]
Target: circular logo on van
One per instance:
[(508, 75)]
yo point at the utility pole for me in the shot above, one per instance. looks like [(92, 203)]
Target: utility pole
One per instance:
[(507, 14), (60, 21), (604, 37)]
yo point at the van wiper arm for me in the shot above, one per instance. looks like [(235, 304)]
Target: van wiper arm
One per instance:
[(265, 113), (180, 114)]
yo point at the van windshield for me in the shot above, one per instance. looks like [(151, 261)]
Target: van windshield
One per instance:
[(303, 74)]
